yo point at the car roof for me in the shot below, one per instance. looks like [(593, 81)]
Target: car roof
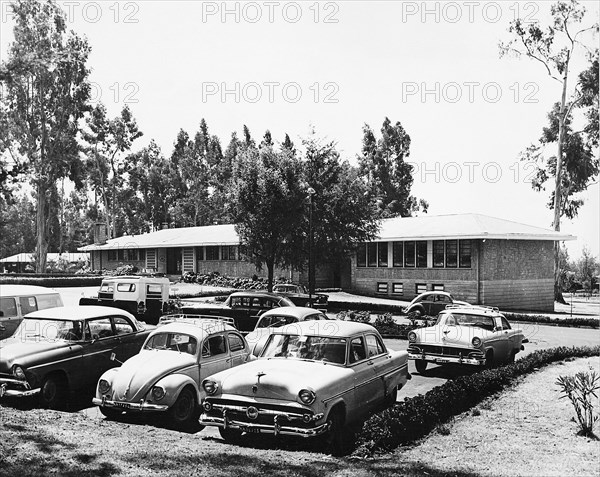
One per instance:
[(18, 290), (134, 277), (197, 328), (79, 312), (299, 312), (473, 310), (332, 328), (256, 293)]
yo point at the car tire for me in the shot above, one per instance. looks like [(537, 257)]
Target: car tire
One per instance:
[(54, 392), (489, 359), (185, 412), (110, 413), (391, 398), (512, 357), (229, 435), (421, 366), (339, 438)]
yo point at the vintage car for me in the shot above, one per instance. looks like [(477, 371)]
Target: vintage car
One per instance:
[(244, 307), (431, 303), (145, 297), (18, 300), (300, 296), (469, 335), (165, 376), (313, 378), (59, 350), (276, 318)]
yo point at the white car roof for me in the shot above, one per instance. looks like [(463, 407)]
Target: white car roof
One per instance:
[(79, 312), (20, 290), (329, 328)]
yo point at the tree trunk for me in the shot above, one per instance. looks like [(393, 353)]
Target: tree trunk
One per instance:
[(270, 274), (41, 248)]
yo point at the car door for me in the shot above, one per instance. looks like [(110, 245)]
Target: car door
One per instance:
[(365, 379), (440, 303), (504, 345), (380, 363), (237, 349), (214, 355), (100, 341), (129, 341)]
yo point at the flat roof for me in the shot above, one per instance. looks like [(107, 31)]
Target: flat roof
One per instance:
[(425, 227)]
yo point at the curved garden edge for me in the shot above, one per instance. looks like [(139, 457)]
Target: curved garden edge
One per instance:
[(416, 417)]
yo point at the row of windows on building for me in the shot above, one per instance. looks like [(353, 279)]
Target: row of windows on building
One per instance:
[(414, 253), (397, 288)]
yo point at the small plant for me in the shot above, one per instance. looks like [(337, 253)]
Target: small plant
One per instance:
[(476, 412), (580, 389)]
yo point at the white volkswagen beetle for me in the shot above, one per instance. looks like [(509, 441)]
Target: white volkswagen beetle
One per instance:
[(166, 374)]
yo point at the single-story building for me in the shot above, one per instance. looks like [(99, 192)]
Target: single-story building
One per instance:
[(24, 262), (475, 257)]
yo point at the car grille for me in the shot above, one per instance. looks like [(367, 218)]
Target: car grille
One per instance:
[(443, 350), (237, 410)]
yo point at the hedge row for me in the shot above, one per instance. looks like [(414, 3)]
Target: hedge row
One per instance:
[(52, 281), (543, 319), (417, 416)]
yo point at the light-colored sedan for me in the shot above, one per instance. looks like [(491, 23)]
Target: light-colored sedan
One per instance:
[(470, 335), (165, 375), (313, 378), (276, 318)]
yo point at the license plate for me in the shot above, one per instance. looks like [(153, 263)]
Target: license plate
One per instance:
[(250, 430), (123, 404), (2, 390), (442, 360)]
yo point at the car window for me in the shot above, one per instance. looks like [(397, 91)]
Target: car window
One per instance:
[(28, 304), (122, 325), (444, 299), (275, 321), (318, 348), (315, 317), (8, 307), (374, 346), (214, 346), (236, 342), (48, 301), (107, 288), (126, 287), (101, 328), (505, 324), (179, 342), (357, 350)]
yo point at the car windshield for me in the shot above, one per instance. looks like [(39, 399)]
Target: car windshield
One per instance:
[(48, 329), (179, 342), (480, 321), (275, 321), (315, 348)]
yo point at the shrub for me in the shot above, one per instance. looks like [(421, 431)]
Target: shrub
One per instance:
[(352, 315), (417, 416), (579, 389)]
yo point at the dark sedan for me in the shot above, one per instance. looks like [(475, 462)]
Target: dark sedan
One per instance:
[(59, 350)]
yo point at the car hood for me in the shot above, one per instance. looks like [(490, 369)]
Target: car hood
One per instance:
[(277, 378), (138, 374), (31, 351)]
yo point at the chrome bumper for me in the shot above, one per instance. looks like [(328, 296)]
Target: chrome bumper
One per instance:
[(447, 359), (26, 390), (282, 421), (129, 406)]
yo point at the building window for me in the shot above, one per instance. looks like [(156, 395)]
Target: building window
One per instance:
[(421, 254), (382, 254), (397, 288), (464, 247), (451, 253), (361, 255), (409, 254), (112, 255), (212, 253), (438, 287), (199, 253), (228, 252), (382, 287), (420, 288), (398, 254), (372, 254), (438, 253)]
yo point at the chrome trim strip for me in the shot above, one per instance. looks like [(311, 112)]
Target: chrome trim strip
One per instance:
[(447, 359), (263, 428), (129, 406)]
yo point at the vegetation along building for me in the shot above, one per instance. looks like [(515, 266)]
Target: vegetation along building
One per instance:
[(475, 257)]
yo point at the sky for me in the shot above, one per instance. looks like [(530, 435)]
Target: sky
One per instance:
[(331, 68)]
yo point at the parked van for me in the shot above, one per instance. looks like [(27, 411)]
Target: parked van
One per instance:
[(18, 300)]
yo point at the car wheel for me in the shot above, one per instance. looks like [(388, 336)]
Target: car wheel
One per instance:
[(339, 437), (54, 391), (489, 359), (421, 366), (513, 355), (184, 412), (231, 436), (110, 413), (390, 400)]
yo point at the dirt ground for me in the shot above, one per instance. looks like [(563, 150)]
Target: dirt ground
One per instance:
[(525, 431)]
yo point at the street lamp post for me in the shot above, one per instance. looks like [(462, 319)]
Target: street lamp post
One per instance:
[(311, 265)]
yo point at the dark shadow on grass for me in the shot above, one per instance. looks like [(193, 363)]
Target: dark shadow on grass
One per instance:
[(450, 371)]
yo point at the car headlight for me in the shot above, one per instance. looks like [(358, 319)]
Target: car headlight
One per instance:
[(307, 396), (19, 373), (210, 387), (158, 392), (103, 386), (412, 337), (476, 342)]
